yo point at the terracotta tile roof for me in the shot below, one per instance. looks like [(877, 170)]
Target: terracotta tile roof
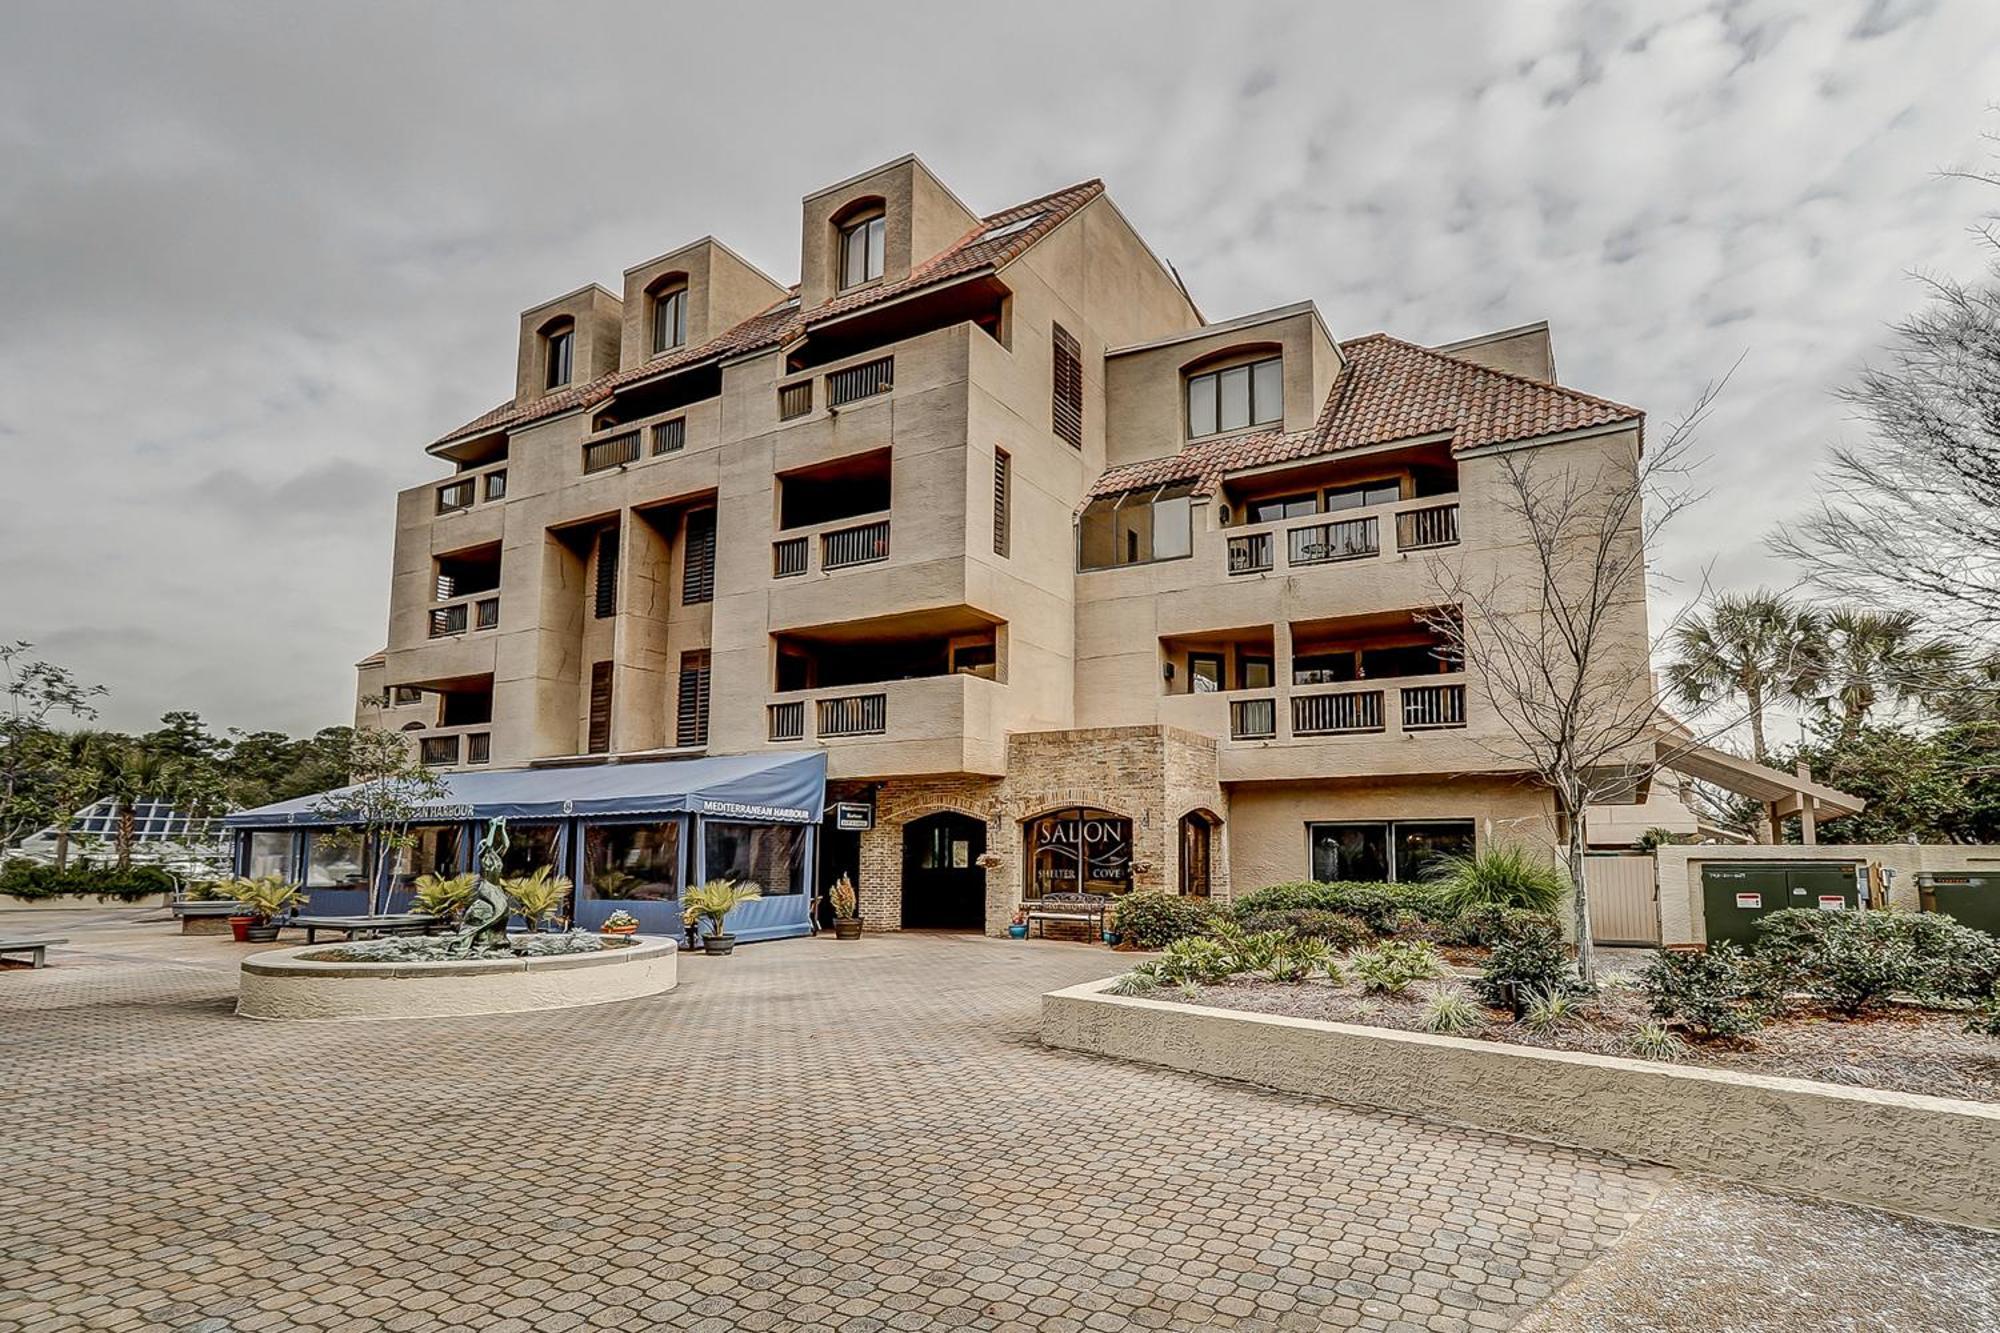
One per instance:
[(1389, 390), (783, 321)]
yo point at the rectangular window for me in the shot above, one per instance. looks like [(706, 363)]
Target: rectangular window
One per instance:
[(600, 708), (529, 848), (561, 347), (691, 724), (406, 694), (333, 859), (1253, 672), (861, 251), (1205, 673), (496, 485), (1236, 397), (270, 854), (1137, 527), (607, 575), (1398, 851), (433, 850), (771, 856), (1066, 406), (698, 559), (1284, 506), (1002, 483), (669, 319), (1356, 497), (633, 862)]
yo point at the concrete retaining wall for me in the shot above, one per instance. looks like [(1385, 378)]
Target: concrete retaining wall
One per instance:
[(1929, 1156), (280, 984)]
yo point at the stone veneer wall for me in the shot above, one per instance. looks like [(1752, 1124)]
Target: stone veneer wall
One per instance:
[(1151, 775)]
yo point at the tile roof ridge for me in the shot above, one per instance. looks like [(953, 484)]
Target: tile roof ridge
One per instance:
[(1528, 380)]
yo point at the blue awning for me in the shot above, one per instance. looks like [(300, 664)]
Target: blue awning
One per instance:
[(756, 788)]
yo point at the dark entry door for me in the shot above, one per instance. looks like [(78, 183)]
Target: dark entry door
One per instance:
[(943, 886)]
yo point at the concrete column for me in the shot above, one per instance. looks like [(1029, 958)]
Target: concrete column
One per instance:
[(1807, 809)]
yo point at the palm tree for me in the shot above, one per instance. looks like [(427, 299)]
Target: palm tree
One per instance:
[(1759, 648), (133, 773), (78, 763), (1869, 655)]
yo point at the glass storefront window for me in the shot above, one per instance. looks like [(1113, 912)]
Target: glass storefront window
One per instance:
[(269, 854), (1401, 851), (1079, 851), (334, 859), (433, 851), (529, 848), (633, 862), (771, 856)]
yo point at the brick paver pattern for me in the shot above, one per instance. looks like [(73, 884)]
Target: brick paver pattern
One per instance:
[(808, 1135)]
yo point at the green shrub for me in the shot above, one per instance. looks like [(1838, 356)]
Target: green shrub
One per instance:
[(1854, 961), (1414, 926), (1489, 923), (28, 880), (1547, 1011), (1451, 1011), (1337, 931), (1196, 960), (1376, 904), (1134, 983), (1506, 876), (1985, 1017), (1536, 961), (1155, 920), (1391, 966), (1706, 993), (1655, 1041)]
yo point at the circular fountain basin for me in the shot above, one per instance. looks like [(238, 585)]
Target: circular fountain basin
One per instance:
[(281, 984)]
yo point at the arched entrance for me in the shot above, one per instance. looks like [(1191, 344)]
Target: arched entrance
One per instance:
[(1197, 853), (944, 887)]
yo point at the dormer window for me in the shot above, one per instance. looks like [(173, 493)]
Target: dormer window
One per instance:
[(669, 316), (1236, 397), (861, 242), (558, 353)]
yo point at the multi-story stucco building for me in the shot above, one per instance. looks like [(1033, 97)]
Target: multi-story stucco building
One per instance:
[(1074, 587)]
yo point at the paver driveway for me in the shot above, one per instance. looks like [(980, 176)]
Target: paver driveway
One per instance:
[(807, 1135)]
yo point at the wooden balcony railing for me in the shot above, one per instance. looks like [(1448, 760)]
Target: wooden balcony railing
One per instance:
[(669, 436), (1340, 539), (795, 400), (1253, 719), (1336, 714), (788, 558), (860, 545), (437, 750), (854, 715), (456, 495), (486, 613), (788, 720), (448, 620), (603, 455), (1432, 707), (862, 381), (1423, 529)]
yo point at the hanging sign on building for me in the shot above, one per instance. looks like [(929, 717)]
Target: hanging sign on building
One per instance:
[(853, 816)]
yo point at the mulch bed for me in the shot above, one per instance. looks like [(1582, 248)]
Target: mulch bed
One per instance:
[(1903, 1049)]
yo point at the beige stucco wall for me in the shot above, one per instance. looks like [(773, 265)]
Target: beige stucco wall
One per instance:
[(1929, 1156), (723, 290)]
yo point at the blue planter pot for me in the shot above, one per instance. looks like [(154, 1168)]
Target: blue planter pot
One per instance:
[(1017, 932), (1111, 937)]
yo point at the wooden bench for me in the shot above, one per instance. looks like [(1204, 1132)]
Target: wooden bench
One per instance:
[(1083, 908), (367, 927), (37, 950)]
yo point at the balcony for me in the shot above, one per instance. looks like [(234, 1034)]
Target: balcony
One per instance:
[(612, 451), (863, 381), (467, 614), (455, 747), (1407, 725), (1355, 535), (933, 724), (837, 546)]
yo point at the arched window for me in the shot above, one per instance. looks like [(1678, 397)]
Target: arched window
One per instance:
[(1079, 850), (558, 352), (1250, 392), (669, 296), (863, 232)]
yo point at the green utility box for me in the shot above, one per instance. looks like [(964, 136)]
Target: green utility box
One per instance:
[(1734, 895), (1973, 899)]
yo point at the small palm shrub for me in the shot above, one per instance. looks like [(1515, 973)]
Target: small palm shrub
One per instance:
[(1488, 923), (1706, 993), (1196, 960), (1338, 931), (1134, 983), (1391, 967), (443, 896), (265, 897), (1296, 958), (1509, 875), (1551, 1011), (1655, 1041), (711, 903), (537, 897), (1153, 920), (1451, 1011), (1535, 961)]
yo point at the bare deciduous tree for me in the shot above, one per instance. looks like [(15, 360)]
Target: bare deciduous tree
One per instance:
[(1560, 651)]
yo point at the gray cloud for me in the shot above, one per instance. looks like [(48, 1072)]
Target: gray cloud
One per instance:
[(253, 257)]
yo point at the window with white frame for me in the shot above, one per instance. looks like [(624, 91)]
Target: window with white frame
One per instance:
[(669, 316), (1236, 397), (861, 242)]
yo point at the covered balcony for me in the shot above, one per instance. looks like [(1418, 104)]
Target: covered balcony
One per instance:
[(833, 516), (466, 591), (1340, 511)]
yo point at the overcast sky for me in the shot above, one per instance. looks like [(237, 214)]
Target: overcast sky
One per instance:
[(254, 256)]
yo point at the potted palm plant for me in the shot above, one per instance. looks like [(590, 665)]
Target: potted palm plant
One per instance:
[(846, 909), (262, 901), (538, 897), (710, 904), (620, 922), (443, 897)]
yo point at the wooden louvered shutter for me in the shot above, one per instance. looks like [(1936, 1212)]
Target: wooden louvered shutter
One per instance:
[(600, 708), (691, 727), (1066, 406), (698, 559), (607, 574), (1003, 468)]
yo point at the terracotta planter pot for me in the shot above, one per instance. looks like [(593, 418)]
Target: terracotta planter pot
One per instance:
[(618, 930), (719, 945), (847, 927), (239, 926)]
